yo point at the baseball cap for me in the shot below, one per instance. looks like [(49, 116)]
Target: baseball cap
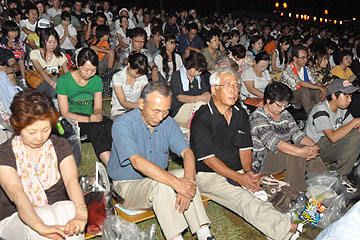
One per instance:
[(43, 23), (341, 85)]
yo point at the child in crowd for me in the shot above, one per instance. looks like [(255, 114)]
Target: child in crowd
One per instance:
[(102, 48), (11, 41)]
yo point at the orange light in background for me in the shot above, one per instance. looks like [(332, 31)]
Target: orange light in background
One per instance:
[(285, 5), (321, 19), (354, 19), (326, 20), (282, 14), (340, 22), (302, 16), (290, 15), (335, 21), (314, 19), (297, 15), (308, 17), (326, 11), (276, 4)]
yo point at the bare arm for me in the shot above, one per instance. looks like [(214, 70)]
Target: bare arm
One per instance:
[(69, 175), (336, 135), (13, 188), (273, 62), (251, 89), (64, 109), (306, 152), (247, 180), (185, 187), (122, 99), (40, 70), (246, 159), (312, 86), (32, 44), (205, 97)]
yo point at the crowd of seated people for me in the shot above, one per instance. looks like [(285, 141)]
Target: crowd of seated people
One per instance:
[(234, 85)]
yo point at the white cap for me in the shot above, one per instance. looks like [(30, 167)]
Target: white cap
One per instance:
[(43, 23)]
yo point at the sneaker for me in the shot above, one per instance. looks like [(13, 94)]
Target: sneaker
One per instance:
[(211, 238), (23, 83), (310, 232), (350, 187), (306, 231)]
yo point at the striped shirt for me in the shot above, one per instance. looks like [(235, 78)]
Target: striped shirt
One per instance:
[(267, 133)]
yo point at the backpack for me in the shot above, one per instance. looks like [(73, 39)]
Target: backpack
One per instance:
[(7, 90)]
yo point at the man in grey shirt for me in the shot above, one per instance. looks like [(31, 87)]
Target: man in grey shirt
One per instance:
[(334, 129)]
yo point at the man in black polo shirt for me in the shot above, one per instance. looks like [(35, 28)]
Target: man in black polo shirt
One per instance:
[(221, 141)]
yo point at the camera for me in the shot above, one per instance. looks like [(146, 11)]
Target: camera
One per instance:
[(53, 70)]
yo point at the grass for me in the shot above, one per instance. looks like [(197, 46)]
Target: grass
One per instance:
[(225, 224)]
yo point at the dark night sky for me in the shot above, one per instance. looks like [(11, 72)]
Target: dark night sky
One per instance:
[(340, 9)]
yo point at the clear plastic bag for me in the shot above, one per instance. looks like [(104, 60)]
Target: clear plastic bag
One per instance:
[(116, 228), (328, 190)]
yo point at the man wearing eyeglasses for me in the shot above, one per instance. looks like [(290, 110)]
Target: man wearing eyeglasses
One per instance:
[(138, 39), (307, 92), (221, 141)]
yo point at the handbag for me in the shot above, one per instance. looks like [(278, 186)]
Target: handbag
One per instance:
[(279, 192), (257, 102), (34, 79)]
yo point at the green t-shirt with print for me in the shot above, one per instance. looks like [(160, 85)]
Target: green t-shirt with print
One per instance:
[(81, 99)]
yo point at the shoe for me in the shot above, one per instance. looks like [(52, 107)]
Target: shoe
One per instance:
[(350, 187), (23, 83), (208, 238), (309, 231), (306, 231)]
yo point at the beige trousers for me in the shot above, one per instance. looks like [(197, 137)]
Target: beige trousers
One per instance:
[(260, 214), (12, 228), (186, 112), (146, 193)]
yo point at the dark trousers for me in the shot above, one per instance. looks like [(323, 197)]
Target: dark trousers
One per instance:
[(99, 134)]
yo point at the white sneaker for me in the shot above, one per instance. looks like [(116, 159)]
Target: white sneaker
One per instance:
[(350, 187)]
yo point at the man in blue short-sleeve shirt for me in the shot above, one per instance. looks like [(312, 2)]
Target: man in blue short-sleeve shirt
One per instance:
[(142, 139)]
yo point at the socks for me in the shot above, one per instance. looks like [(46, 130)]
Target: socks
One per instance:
[(203, 233), (299, 229), (178, 238)]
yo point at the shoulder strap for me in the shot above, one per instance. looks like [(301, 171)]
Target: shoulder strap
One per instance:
[(319, 114), (347, 114)]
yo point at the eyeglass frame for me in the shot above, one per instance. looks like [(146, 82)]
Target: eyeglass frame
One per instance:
[(227, 85), (288, 105)]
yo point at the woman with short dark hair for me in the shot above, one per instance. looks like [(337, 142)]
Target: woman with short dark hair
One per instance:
[(40, 196), (79, 94), (273, 130), (190, 89), (128, 84)]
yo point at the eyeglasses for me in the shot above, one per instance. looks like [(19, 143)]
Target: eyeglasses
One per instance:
[(138, 41), (228, 85), (282, 106), (173, 42), (303, 57)]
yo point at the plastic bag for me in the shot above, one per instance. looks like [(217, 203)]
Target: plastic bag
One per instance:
[(327, 189), (116, 228)]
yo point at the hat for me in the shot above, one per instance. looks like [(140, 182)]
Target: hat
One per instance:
[(43, 23), (123, 9), (341, 85), (192, 11)]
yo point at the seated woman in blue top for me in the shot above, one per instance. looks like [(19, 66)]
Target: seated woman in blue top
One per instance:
[(79, 94)]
